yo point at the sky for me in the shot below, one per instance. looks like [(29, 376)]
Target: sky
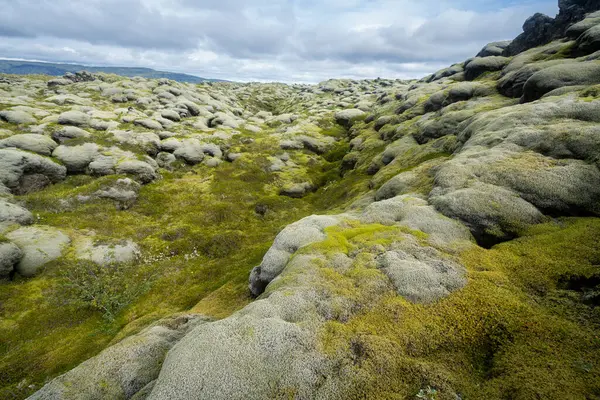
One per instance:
[(263, 40)]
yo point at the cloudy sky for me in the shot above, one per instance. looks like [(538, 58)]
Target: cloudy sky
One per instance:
[(264, 40)]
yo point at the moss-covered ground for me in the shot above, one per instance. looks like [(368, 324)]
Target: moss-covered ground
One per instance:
[(199, 234), (524, 327)]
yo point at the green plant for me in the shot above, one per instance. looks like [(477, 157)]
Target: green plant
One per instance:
[(107, 289), (427, 394)]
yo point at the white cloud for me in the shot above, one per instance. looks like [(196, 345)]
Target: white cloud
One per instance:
[(287, 40)]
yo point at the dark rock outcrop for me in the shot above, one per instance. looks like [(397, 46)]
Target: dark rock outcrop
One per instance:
[(572, 11), (540, 29), (537, 30)]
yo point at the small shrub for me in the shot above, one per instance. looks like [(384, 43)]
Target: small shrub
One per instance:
[(108, 289)]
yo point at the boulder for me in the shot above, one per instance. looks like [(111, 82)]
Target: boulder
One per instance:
[(576, 30), (165, 123), (36, 112), (223, 361), (291, 145), (589, 41), (53, 83), (35, 143), (465, 91), (201, 124), (63, 99), (288, 241), (193, 108), (166, 134), (398, 185), (32, 183), (541, 29), (10, 255), (140, 169), (316, 145), (10, 212), (101, 125), (123, 191), (493, 214), (222, 119), (212, 150), (122, 370), (17, 117), (462, 91), (496, 190), (565, 90), (40, 245), (69, 132), (169, 97), (284, 331), (147, 141), (480, 65), (435, 101), (286, 118), (231, 157), (494, 49), (212, 162), (170, 145), (76, 158), (164, 160), (171, 115), (102, 165), (382, 121), (107, 254), (435, 127), (264, 115), (80, 76), (569, 74), (512, 84), (451, 72), (191, 151), (296, 190), (222, 135), (545, 127), (149, 124), (75, 118), (16, 165), (348, 117), (563, 187), (398, 148), (276, 164)]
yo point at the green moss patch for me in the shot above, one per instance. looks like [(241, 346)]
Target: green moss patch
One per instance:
[(523, 327)]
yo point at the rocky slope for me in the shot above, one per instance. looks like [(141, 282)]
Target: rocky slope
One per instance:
[(384, 239)]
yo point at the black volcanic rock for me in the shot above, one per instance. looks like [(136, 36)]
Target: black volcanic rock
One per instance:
[(537, 30), (540, 29)]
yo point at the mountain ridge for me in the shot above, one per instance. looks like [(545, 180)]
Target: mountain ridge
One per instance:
[(23, 67)]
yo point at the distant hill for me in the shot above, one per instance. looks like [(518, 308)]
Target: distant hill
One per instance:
[(31, 67)]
